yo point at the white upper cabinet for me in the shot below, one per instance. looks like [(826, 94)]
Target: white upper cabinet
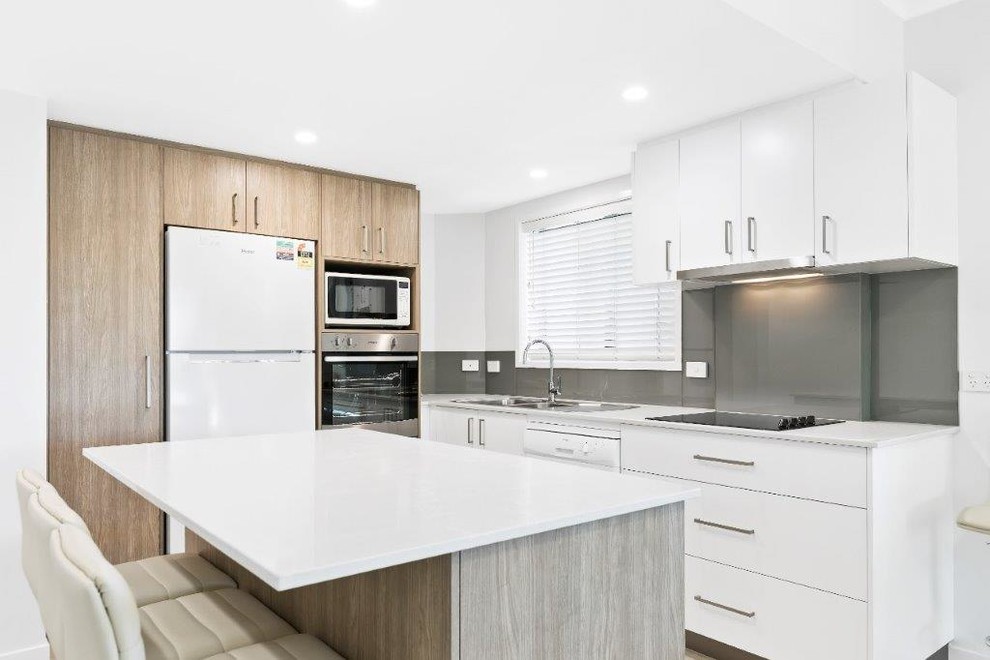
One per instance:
[(710, 196), (778, 201), (885, 173), (656, 248)]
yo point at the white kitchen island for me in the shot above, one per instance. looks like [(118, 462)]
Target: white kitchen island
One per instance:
[(391, 547)]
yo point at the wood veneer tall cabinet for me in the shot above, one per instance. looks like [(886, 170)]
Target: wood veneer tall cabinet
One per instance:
[(105, 326)]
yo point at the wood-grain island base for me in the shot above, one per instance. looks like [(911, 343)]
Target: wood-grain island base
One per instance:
[(613, 588)]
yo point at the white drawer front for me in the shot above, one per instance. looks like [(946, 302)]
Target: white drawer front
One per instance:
[(813, 543), (787, 622), (827, 473)]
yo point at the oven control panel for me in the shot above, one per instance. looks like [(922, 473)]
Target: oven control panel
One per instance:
[(369, 342)]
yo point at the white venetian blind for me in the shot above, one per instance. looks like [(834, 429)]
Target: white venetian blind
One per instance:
[(580, 296)]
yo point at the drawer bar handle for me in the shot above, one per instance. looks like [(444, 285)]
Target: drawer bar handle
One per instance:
[(708, 523), (727, 461), (748, 615)]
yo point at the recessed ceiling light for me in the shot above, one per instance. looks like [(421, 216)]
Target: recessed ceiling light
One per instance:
[(538, 173), (361, 4), (306, 137), (635, 93)]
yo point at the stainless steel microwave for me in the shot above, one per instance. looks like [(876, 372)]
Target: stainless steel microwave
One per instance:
[(382, 301)]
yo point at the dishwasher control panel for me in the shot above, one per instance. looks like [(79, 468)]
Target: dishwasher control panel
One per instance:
[(591, 447)]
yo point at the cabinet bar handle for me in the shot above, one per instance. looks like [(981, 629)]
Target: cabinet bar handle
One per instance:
[(147, 382), (727, 461), (667, 249), (481, 432), (751, 233), (470, 428), (381, 236), (744, 613), (257, 223), (826, 219), (365, 248), (728, 236), (233, 208), (708, 523)]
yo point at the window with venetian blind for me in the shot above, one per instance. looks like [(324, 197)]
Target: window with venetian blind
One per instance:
[(577, 293)]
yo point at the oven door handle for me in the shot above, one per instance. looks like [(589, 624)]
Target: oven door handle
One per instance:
[(371, 358)]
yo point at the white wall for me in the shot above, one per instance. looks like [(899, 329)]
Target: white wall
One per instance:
[(453, 270), (23, 350), (951, 48), (501, 241)]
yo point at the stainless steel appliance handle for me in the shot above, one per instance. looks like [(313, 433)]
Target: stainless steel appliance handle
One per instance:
[(727, 461), (257, 223), (481, 432), (826, 219), (748, 615), (147, 381), (751, 233), (371, 358), (365, 247), (667, 249), (470, 423), (233, 208), (708, 523), (728, 237)]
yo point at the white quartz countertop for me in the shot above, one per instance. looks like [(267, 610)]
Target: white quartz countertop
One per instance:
[(872, 435), (302, 508)]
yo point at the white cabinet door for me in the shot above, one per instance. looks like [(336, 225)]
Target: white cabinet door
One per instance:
[(453, 426), (861, 195), (655, 213), (709, 197), (778, 200), (502, 432)]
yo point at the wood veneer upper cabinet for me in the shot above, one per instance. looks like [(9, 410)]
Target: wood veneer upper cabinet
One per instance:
[(348, 224), (105, 334), (283, 201), (204, 190), (396, 215)]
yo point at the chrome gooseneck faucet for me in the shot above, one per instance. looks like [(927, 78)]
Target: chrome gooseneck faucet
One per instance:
[(553, 387)]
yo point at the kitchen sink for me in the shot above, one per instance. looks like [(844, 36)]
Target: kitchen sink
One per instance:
[(529, 403)]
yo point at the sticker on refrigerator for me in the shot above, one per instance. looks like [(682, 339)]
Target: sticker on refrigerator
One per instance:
[(284, 251), (304, 256)]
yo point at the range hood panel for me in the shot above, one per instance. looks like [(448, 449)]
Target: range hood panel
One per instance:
[(731, 272)]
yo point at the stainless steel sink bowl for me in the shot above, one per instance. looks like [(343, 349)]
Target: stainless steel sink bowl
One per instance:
[(504, 402), (530, 403)]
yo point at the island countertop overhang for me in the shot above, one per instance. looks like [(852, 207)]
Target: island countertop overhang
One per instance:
[(301, 508)]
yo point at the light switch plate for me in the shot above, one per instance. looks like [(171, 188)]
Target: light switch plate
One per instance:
[(494, 366), (974, 381), (470, 365), (696, 369)]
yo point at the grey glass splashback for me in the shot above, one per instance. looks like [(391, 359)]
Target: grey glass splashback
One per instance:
[(851, 347)]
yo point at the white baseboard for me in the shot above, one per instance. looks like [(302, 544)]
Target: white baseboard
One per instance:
[(960, 653), (34, 653)]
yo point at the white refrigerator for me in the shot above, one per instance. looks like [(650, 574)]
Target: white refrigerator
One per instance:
[(240, 334)]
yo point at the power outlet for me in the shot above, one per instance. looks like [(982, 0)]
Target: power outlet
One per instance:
[(494, 366), (975, 381), (470, 365), (696, 369)]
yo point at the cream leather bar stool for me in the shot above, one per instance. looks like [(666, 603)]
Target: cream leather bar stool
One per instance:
[(90, 613), (151, 580), (976, 518)]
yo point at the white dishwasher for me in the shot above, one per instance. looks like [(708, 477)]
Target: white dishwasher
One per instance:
[(577, 445)]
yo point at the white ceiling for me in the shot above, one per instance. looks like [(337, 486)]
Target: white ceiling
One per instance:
[(460, 97), (908, 9)]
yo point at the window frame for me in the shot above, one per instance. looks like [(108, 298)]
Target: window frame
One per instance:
[(539, 358)]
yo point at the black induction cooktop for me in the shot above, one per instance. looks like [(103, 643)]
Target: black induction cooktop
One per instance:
[(749, 420)]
